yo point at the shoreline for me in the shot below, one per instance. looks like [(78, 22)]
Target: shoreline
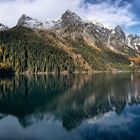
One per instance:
[(83, 72), (68, 73)]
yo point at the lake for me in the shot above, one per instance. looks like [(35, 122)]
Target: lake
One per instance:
[(70, 107)]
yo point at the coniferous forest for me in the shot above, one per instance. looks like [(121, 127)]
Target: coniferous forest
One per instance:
[(22, 50)]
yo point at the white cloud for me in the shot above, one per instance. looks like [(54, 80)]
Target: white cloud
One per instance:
[(111, 15), (108, 14)]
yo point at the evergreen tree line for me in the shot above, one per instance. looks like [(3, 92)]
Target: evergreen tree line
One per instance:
[(22, 50)]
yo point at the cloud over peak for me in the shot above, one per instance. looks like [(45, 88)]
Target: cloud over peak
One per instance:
[(104, 11)]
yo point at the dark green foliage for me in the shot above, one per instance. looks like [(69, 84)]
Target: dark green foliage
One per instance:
[(24, 50)]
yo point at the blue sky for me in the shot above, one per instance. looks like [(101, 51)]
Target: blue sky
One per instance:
[(133, 10), (108, 12)]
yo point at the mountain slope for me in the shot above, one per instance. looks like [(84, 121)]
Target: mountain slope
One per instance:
[(25, 51), (67, 45), (133, 41)]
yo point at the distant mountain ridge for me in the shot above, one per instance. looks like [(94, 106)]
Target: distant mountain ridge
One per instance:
[(88, 45), (69, 18)]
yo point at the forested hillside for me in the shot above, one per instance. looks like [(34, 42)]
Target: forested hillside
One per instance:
[(66, 46), (23, 50)]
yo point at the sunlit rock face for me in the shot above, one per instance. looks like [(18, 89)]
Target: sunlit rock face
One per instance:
[(89, 46), (117, 39), (72, 26), (133, 41)]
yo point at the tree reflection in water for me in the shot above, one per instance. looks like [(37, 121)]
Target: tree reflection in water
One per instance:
[(69, 99)]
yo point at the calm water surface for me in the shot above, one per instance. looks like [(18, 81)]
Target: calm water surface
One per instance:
[(73, 107)]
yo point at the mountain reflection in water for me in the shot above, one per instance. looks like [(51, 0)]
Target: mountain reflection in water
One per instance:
[(99, 106)]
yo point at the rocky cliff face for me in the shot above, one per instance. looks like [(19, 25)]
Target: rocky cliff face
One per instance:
[(29, 22), (86, 45), (94, 34), (73, 27), (32, 23), (133, 41), (116, 39), (70, 19)]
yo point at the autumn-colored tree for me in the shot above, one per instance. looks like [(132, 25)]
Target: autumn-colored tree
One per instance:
[(135, 60)]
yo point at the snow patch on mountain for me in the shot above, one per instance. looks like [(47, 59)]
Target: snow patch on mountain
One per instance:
[(3, 27), (32, 23), (133, 41), (113, 38), (29, 22)]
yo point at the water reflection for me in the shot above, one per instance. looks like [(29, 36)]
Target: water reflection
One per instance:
[(73, 100)]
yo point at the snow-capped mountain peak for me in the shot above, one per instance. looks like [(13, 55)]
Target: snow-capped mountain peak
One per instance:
[(32, 23), (71, 15), (111, 37), (3, 27), (97, 23), (29, 22), (70, 19)]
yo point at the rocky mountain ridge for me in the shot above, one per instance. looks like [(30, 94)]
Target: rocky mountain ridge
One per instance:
[(110, 37), (133, 41), (32, 23), (114, 39), (67, 45)]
